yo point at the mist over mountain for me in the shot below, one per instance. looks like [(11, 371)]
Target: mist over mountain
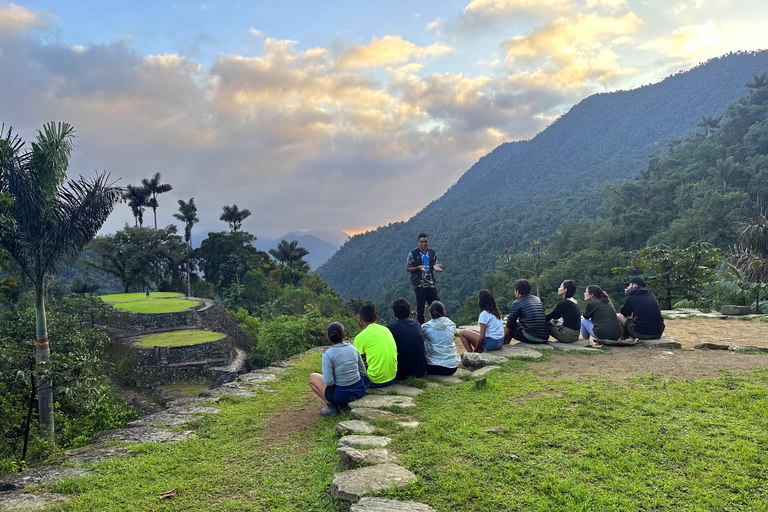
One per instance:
[(522, 191), (321, 243)]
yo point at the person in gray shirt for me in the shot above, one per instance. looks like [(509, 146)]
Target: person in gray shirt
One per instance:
[(343, 368)]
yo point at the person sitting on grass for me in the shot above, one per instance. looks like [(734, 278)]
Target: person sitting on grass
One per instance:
[(442, 356), (409, 339), (599, 316), (491, 333), (377, 347), (343, 372), (568, 310), (526, 321)]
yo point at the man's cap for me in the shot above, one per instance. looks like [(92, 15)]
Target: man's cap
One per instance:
[(639, 281)]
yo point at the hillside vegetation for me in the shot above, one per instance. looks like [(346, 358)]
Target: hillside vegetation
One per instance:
[(525, 191)]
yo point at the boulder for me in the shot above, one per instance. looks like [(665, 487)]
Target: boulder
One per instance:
[(353, 484), (385, 505), (475, 360)]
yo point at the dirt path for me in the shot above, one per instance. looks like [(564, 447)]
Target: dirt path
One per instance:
[(729, 331)]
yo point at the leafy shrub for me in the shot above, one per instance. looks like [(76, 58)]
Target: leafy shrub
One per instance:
[(288, 335)]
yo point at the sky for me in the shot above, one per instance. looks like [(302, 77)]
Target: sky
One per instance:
[(330, 115)]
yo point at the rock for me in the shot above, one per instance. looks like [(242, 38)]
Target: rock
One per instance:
[(19, 501), (557, 345), (616, 343), (482, 371), (664, 342), (475, 360), (534, 346), (274, 369), (712, 346), (237, 389), (510, 351), (445, 379), (368, 414), (353, 484), (379, 401), (143, 435), (223, 379), (255, 377), (162, 419), (190, 400), (363, 442), (409, 424), (481, 383), (735, 310), (384, 505), (92, 454), (497, 430), (400, 389), (462, 372), (759, 349), (39, 476), (354, 458), (354, 427)]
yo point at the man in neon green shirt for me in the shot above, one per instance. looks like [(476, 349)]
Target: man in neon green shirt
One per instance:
[(378, 347)]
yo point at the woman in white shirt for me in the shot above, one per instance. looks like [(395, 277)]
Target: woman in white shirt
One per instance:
[(491, 334)]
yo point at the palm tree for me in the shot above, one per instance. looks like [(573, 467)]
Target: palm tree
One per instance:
[(55, 220), (154, 188), (709, 122), (188, 215), (758, 82), (291, 255), (726, 171), (137, 199), (234, 216)]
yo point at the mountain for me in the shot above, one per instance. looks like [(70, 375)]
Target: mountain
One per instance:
[(321, 243), (523, 191)]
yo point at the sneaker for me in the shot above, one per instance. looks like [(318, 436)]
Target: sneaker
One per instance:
[(329, 410)]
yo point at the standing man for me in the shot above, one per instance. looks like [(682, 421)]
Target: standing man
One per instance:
[(421, 264), (640, 316)]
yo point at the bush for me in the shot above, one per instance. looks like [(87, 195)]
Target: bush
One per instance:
[(289, 335)]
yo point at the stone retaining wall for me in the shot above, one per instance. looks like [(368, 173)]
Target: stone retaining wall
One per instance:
[(155, 356)]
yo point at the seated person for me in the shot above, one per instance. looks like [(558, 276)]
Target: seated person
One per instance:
[(568, 310), (440, 349), (640, 316), (526, 321), (343, 372), (378, 347), (409, 339), (599, 316), (491, 333)]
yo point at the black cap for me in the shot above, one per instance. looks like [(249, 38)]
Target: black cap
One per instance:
[(639, 281)]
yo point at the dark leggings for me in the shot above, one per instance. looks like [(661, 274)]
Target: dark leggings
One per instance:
[(433, 369), (428, 295)]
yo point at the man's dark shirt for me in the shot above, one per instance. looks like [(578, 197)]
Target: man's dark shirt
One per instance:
[(411, 361), (529, 311), (642, 305)]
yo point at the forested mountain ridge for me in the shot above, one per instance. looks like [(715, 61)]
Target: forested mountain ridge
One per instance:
[(525, 190)]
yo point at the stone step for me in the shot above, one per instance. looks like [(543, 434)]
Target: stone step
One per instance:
[(353, 484), (478, 360), (368, 414), (445, 379), (485, 369), (355, 458), (379, 401), (400, 389), (20, 501), (385, 505), (511, 351), (354, 427), (534, 346), (143, 435), (363, 442)]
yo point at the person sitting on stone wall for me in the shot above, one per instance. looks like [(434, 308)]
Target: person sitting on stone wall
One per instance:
[(640, 316), (378, 347), (409, 339)]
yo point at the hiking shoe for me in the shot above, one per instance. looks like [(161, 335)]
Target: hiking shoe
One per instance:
[(329, 410)]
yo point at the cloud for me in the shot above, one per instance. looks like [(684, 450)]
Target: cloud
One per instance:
[(14, 18), (256, 33), (494, 7), (609, 4), (387, 51), (570, 52), (686, 42)]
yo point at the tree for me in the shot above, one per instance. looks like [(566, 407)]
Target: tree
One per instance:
[(291, 255), (188, 215), (726, 171), (758, 82), (234, 216), (137, 198), (55, 219), (226, 257), (709, 122), (155, 188)]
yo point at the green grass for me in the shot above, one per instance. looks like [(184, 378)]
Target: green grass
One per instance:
[(157, 306), (648, 444), (178, 338), (188, 388), (128, 297)]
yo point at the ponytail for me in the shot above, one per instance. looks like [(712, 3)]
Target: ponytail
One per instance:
[(598, 293), (335, 332)]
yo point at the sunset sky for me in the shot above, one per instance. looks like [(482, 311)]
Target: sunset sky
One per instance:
[(342, 115)]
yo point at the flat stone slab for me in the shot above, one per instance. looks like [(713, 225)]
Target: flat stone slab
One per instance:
[(735, 310), (378, 401), (191, 400), (173, 417), (369, 414), (557, 345), (257, 377), (384, 505), (712, 346), (143, 435), (445, 379), (485, 369), (534, 346), (363, 442), (665, 342), (92, 454), (510, 351), (353, 484), (355, 458), (616, 343), (237, 389), (19, 501), (274, 369), (475, 360), (354, 427), (400, 389), (39, 476)]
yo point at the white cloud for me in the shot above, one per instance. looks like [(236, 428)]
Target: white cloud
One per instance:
[(388, 50), (256, 33), (685, 42)]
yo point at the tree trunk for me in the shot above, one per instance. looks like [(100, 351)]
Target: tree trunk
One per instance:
[(43, 353), (189, 288), (154, 212)]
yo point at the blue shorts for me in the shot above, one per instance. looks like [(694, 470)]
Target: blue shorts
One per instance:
[(370, 384), (493, 343), (342, 395)]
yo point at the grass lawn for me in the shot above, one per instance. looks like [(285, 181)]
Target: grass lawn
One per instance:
[(178, 338), (157, 306), (649, 444), (128, 297)]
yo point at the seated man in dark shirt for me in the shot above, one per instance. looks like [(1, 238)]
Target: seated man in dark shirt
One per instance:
[(526, 321), (411, 361), (640, 316)]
